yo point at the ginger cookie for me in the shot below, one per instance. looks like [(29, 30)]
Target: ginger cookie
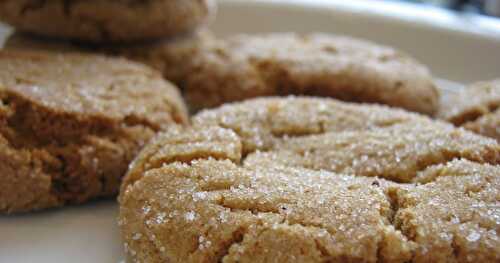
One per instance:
[(475, 108), (72, 123), (212, 71), (200, 194), (100, 21)]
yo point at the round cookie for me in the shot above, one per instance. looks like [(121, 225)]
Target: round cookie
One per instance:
[(107, 21), (475, 108), (197, 194), (72, 123), (211, 72)]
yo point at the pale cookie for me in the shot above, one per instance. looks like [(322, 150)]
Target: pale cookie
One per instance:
[(107, 20), (194, 194), (475, 108), (70, 125), (211, 72)]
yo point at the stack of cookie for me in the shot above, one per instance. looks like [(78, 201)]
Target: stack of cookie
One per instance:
[(274, 179), (72, 123)]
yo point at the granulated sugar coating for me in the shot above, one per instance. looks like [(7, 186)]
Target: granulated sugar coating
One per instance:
[(260, 123), (313, 180), (455, 215), (70, 124), (276, 214), (397, 153)]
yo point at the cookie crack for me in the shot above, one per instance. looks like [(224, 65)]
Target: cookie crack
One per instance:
[(392, 196), (261, 228), (283, 221), (236, 239), (418, 180), (475, 114), (255, 211)]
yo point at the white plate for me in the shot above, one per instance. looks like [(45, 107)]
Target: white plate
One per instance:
[(462, 49)]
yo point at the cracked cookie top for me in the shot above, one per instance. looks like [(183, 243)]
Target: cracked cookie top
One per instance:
[(312, 180), (107, 21), (475, 108), (70, 125)]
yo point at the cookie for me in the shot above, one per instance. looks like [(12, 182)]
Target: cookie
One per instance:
[(72, 123), (198, 194), (475, 108), (212, 71), (107, 21)]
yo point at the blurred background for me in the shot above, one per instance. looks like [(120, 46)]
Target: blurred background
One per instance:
[(486, 7)]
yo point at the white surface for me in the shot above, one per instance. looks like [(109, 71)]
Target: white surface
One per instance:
[(81, 234), (455, 49)]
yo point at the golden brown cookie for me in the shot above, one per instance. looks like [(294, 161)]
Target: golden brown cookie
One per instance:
[(198, 194), (211, 72), (107, 21), (216, 211), (475, 108), (70, 125)]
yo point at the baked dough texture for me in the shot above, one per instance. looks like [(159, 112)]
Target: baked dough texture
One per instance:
[(101, 21), (70, 125), (476, 108), (213, 71), (242, 185)]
